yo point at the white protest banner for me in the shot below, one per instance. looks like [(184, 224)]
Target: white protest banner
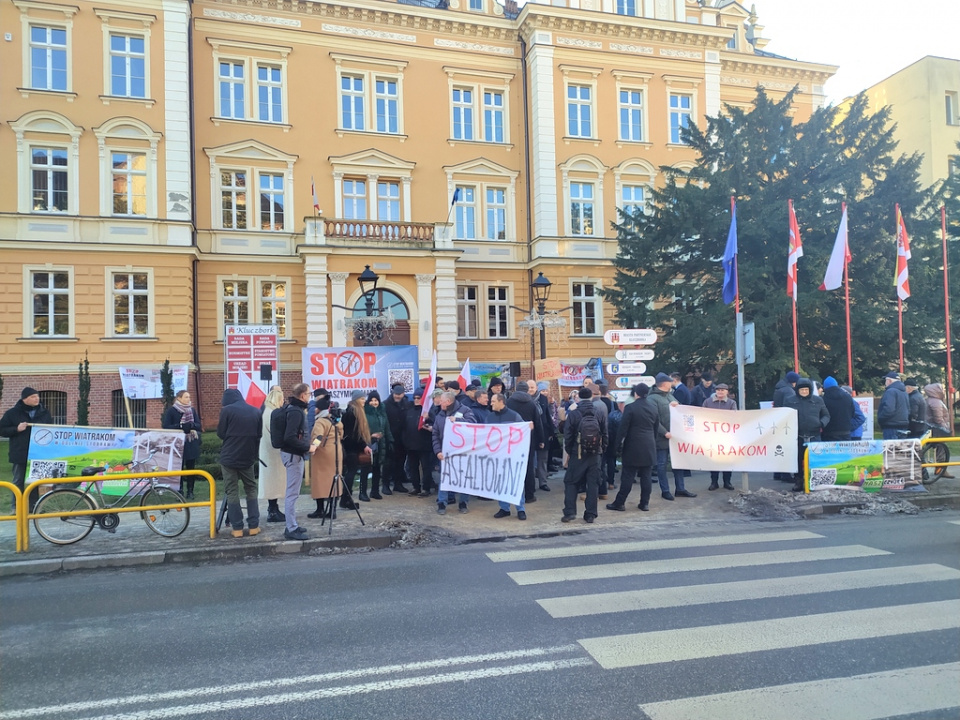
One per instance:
[(485, 460), (752, 440), (144, 383)]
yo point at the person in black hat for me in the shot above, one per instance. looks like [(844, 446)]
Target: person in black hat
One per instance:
[(15, 424), (918, 407), (394, 472), (418, 441), (662, 399), (318, 394), (893, 410), (702, 392)]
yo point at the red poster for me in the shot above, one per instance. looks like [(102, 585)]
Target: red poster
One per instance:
[(246, 348)]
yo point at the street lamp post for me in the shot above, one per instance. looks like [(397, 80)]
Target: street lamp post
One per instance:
[(541, 293), (368, 287)]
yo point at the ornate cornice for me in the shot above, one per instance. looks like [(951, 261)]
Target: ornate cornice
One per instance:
[(793, 70)]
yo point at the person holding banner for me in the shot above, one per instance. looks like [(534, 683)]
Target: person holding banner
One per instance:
[(662, 399), (15, 425), (500, 414), (720, 400), (812, 417), (182, 416), (450, 411), (637, 443)]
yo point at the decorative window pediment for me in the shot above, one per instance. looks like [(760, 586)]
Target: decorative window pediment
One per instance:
[(249, 151), (373, 161)]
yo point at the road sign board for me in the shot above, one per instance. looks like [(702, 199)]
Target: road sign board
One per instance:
[(630, 337), (644, 354), (626, 368), (625, 381)]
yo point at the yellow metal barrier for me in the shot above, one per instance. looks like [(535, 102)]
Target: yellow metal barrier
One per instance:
[(929, 440), (24, 517), (18, 496)]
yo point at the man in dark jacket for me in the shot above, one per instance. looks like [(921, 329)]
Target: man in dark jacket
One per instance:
[(549, 430), (524, 404), (395, 407), (812, 417), (295, 447), (680, 391), (720, 400), (842, 409), (500, 414), (419, 446), (636, 441), (662, 399), (918, 408), (240, 427), (450, 411), (893, 410), (581, 468), (15, 425), (703, 391), (783, 391)]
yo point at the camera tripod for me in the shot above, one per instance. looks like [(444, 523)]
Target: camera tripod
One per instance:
[(331, 502)]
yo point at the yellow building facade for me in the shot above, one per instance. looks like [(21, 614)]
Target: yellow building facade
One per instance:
[(182, 166)]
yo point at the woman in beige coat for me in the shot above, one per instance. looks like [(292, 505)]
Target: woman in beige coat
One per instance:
[(326, 465), (273, 475)]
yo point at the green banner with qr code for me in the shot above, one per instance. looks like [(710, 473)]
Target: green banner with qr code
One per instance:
[(866, 465)]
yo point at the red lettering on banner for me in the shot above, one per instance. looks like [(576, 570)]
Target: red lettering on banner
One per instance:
[(515, 437), (690, 448), (721, 427), (494, 429), (456, 432), (369, 360)]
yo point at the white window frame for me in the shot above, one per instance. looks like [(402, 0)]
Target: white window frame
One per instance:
[(951, 107), (492, 226), (631, 81), (584, 169), (109, 316), (482, 209), (634, 172), (464, 306), (581, 77), (255, 159), (488, 126), (370, 70), (499, 307), (623, 7), (40, 128), (482, 305), (272, 192), (583, 193), (464, 113), (389, 200), (479, 83), (235, 190), (30, 15), (465, 213), (580, 104), (683, 86), (483, 175), (115, 22), (250, 56), (373, 165), (254, 300), (597, 302), (51, 169), (28, 295), (353, 198), (129, 135)]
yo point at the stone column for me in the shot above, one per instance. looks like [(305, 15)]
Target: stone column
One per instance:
[(338, 296), (316, 301), (446, 314), (425, 313)]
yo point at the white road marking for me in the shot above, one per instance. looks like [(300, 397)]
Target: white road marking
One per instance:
[(663, 646), (324, 693), (707, 562), (359, 674), (656, 598), (872, 696), (954, 522), (641, 545)]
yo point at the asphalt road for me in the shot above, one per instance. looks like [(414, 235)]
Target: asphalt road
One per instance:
[(856, 617)]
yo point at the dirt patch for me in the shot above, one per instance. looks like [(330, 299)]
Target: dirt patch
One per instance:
[(769, 504), (415, 535)]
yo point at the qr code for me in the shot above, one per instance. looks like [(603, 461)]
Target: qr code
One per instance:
[(401, 376), (823, 476), (42, 469), (688, 422)]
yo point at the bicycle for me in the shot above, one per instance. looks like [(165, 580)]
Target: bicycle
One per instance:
[(62, 530), (935, 452)]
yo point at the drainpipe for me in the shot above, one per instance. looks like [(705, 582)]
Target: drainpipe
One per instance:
[(193, 207)]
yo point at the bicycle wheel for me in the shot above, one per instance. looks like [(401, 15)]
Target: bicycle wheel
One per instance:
[(168, 523), (64, 530), (938, 453)]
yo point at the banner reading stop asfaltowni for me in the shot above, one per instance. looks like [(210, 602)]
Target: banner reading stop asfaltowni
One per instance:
[(750, 440), (485, 460)]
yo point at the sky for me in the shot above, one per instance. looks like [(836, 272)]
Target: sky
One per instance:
[(869, 39)]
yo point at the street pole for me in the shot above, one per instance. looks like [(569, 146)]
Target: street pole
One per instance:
[(741, 383), (541, 309)]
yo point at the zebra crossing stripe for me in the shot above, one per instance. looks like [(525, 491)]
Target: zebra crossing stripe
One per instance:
[(613, 602), (708, 562), (954, 522), (872, 696), (641, 545), (662, 646)]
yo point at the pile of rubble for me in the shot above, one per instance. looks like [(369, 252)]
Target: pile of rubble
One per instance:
[(775, 505), (415, 535)]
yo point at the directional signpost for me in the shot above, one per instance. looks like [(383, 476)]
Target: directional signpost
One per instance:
[(630, 355), (626, 368), (630, 337), (626, 381)]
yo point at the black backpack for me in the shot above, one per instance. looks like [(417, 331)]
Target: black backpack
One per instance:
[(278, 426), (591, 438)]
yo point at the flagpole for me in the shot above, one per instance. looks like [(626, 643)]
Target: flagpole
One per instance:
[(946, 307), (896, 282), (846, 291), (793, 298)]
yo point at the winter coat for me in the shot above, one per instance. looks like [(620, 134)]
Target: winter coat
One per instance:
[(714, 404), (613, 430), (549, 428), (327, 460), (353, 444), (571, 429), (273, 475), (379, 423), (893, 410), (683, 395), (440, 423), (296, 436), (918, 413), (395, 412), (173, 420), (503, 417), (240, 429), (637, 437), (415, 438), (812, 414), (858, 423), (662, 400), (20, 441), (842, 408), (937, 414), (782, 392), (701, 393), (527, 408)]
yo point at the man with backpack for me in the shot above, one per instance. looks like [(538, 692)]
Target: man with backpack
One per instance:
[(240, 428), (289, 432), (585, 439)]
